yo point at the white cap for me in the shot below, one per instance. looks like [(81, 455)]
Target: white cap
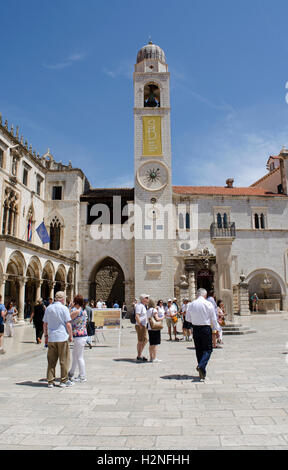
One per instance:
[(144, 296), (169, 300)]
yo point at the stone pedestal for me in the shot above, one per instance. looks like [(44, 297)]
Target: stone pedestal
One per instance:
[(244, 309)]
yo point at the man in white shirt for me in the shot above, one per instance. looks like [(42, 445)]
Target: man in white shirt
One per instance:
[(170, 312), (200, 313), (58, 335), (141, 326), (99, 304)]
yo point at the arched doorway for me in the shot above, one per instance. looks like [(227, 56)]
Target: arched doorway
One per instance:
[(108, 282), (205, 280)]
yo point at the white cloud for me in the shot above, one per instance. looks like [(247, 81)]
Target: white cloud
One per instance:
[(68, 62), (232, 149)]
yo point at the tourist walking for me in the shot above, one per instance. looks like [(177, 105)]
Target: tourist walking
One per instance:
[(187, 327), (221, 318), (255, 301), (37, 318), (90, 324), (58, 334), (141, 326), (10, 318), (79, 330), (171, 319), (201, 314), (215, 333), (154, 334), (2, 317)]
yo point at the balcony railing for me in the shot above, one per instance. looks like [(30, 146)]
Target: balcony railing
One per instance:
[(226, 231)]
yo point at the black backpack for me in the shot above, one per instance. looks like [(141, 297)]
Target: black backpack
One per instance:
[(133, 317)]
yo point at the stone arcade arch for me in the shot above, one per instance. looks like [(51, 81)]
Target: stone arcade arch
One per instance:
[(60, 279), (48, 275), (277, 293), (107, 282), (32, 287), (15, 271)]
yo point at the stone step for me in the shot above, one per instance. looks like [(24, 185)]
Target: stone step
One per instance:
[(237, 329)]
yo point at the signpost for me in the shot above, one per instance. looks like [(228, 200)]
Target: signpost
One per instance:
[(108, 319)]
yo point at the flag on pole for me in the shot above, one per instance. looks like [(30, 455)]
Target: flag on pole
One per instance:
[(42, 233), (29, 234)]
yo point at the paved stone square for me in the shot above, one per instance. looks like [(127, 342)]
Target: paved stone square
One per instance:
[(125, 405)]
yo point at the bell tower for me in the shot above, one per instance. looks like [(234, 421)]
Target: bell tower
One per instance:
[(154, 223)]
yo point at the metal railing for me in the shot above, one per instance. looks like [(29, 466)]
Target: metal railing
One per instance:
[(226, 231)]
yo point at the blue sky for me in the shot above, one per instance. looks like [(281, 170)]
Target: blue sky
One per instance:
[(66, 80)]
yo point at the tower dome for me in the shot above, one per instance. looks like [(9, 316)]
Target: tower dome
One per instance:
[(151, 51)]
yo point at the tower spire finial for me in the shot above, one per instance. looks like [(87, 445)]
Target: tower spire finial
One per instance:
[(150, 39)]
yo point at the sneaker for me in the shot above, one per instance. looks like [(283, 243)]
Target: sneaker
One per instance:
[(144, 359), (202, 374), (51, 385), (139, 359), (156, 360), (80, 379), (66, 384)]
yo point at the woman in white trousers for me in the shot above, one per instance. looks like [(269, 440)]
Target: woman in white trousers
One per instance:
[(79, 330)]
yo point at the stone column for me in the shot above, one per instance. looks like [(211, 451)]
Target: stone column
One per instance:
[(3, 280), (51, 287), (224, 260), (244, 309), (38, 290), (22, 284)]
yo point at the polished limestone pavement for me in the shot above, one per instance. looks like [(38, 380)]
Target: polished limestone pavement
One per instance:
[(127, 405)]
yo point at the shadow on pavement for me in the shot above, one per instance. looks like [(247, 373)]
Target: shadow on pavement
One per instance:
[(33, 384), (181, 377), (132, 361)]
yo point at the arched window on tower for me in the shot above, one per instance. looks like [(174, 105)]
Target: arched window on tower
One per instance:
[(262, 221), (151, 96), (55, 234)]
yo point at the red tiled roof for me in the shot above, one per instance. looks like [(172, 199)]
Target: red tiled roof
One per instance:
[(222, 191), (266, 176)]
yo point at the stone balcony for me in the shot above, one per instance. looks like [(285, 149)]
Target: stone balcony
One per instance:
[(226, 232)]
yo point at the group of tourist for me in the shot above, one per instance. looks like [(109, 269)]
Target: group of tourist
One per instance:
[(202, 320), (63, 323)]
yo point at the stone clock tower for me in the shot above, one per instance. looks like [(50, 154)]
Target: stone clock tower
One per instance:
[(154, 227)]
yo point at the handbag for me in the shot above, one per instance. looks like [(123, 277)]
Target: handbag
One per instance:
[(154, 324), (90, 328), (174, 319)]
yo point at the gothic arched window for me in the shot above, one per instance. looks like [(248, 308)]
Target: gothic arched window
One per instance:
[(262, 221), (225, 220), (55, 234), (10, 212)]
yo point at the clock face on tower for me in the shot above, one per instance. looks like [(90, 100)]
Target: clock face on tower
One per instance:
[(153, 175)]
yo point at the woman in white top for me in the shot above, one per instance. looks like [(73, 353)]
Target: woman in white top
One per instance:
[(154, 335)]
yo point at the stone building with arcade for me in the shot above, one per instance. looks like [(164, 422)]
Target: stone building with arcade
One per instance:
[(233, 239)]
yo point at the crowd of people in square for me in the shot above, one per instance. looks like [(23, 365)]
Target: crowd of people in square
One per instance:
[(63, 323)]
